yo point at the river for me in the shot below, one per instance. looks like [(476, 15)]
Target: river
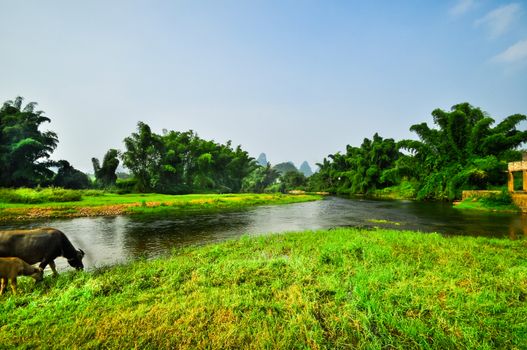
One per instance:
[(111, 240)]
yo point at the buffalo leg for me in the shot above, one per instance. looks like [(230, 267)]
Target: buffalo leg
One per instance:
[(3, 282), (12, 283), (52, 265)]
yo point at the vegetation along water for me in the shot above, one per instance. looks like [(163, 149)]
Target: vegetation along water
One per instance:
[(464, 150), (28, 204)]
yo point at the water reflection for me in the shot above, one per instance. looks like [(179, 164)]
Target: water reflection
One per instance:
[(115, 239)]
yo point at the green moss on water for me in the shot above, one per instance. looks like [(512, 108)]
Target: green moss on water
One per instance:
[(342, 288)]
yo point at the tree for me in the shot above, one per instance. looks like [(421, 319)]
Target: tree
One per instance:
[(293, 180), (142, 157), (69, 177), (463, 152), (182, 162), (361, 169), (259, 179), (24, 149), (105, 175)]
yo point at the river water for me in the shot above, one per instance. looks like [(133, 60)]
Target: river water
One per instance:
[(110, 240)]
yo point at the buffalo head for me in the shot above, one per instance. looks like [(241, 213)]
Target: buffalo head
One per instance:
[(76, 262)]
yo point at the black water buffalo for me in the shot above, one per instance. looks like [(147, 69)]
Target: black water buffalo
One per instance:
[(42, 245)]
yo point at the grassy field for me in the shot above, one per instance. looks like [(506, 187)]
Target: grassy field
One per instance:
[(29, 204), (342, 288)]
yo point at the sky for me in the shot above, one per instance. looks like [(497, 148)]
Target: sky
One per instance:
[(295, 79)]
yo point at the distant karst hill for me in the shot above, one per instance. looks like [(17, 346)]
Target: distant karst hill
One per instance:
[(262, 159), (306, 169), (286, 167)]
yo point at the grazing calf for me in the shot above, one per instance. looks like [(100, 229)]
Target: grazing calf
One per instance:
[(41, 245), (11, 268)]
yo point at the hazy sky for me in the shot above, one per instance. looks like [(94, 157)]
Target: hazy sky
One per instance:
[(297, 80)]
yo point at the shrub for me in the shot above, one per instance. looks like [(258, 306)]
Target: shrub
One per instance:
[(502, 198), (125, 185), (39, 195)]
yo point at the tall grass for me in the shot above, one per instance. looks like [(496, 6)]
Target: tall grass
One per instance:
[(342, 288)]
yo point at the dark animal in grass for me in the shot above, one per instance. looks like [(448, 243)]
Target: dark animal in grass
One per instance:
[(41, 245), (11, 268)]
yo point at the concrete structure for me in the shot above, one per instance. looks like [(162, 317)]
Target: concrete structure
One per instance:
[(518, 166), (518, 197)]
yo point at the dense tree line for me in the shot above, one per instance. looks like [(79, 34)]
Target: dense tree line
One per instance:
[(463, 151), (361, 169), (173, 162), (182, 162)]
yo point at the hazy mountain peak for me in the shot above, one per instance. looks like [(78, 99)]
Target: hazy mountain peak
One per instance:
[(306, 169), (262, 159)]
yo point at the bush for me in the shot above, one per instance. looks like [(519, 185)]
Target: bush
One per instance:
[(39, 195), (125, 185), (502, 198)]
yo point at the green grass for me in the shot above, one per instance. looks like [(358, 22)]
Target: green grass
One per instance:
[(39, 195), (342, 288), (100, 203), (500, 202)]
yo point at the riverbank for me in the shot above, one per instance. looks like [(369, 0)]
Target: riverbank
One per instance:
[(69, 204), (477, 204), (325, 289), (496, 201)]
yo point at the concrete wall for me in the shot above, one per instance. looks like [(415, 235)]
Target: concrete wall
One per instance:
[(520, 199), (478, 194)]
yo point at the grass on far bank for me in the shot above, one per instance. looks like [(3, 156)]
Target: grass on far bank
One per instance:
[(501, 201), (28, 204), (342, 288)]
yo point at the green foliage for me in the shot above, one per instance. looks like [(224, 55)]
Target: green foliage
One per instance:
[(464, 152), (361, 170), (69, 177), (261, 178), (24, 149), (39, 195), (502, 198), (181, 162), (142, 157), (501, 201), (105, 175), (125, 185), (293, 180), (343, 288), (404, 190)]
